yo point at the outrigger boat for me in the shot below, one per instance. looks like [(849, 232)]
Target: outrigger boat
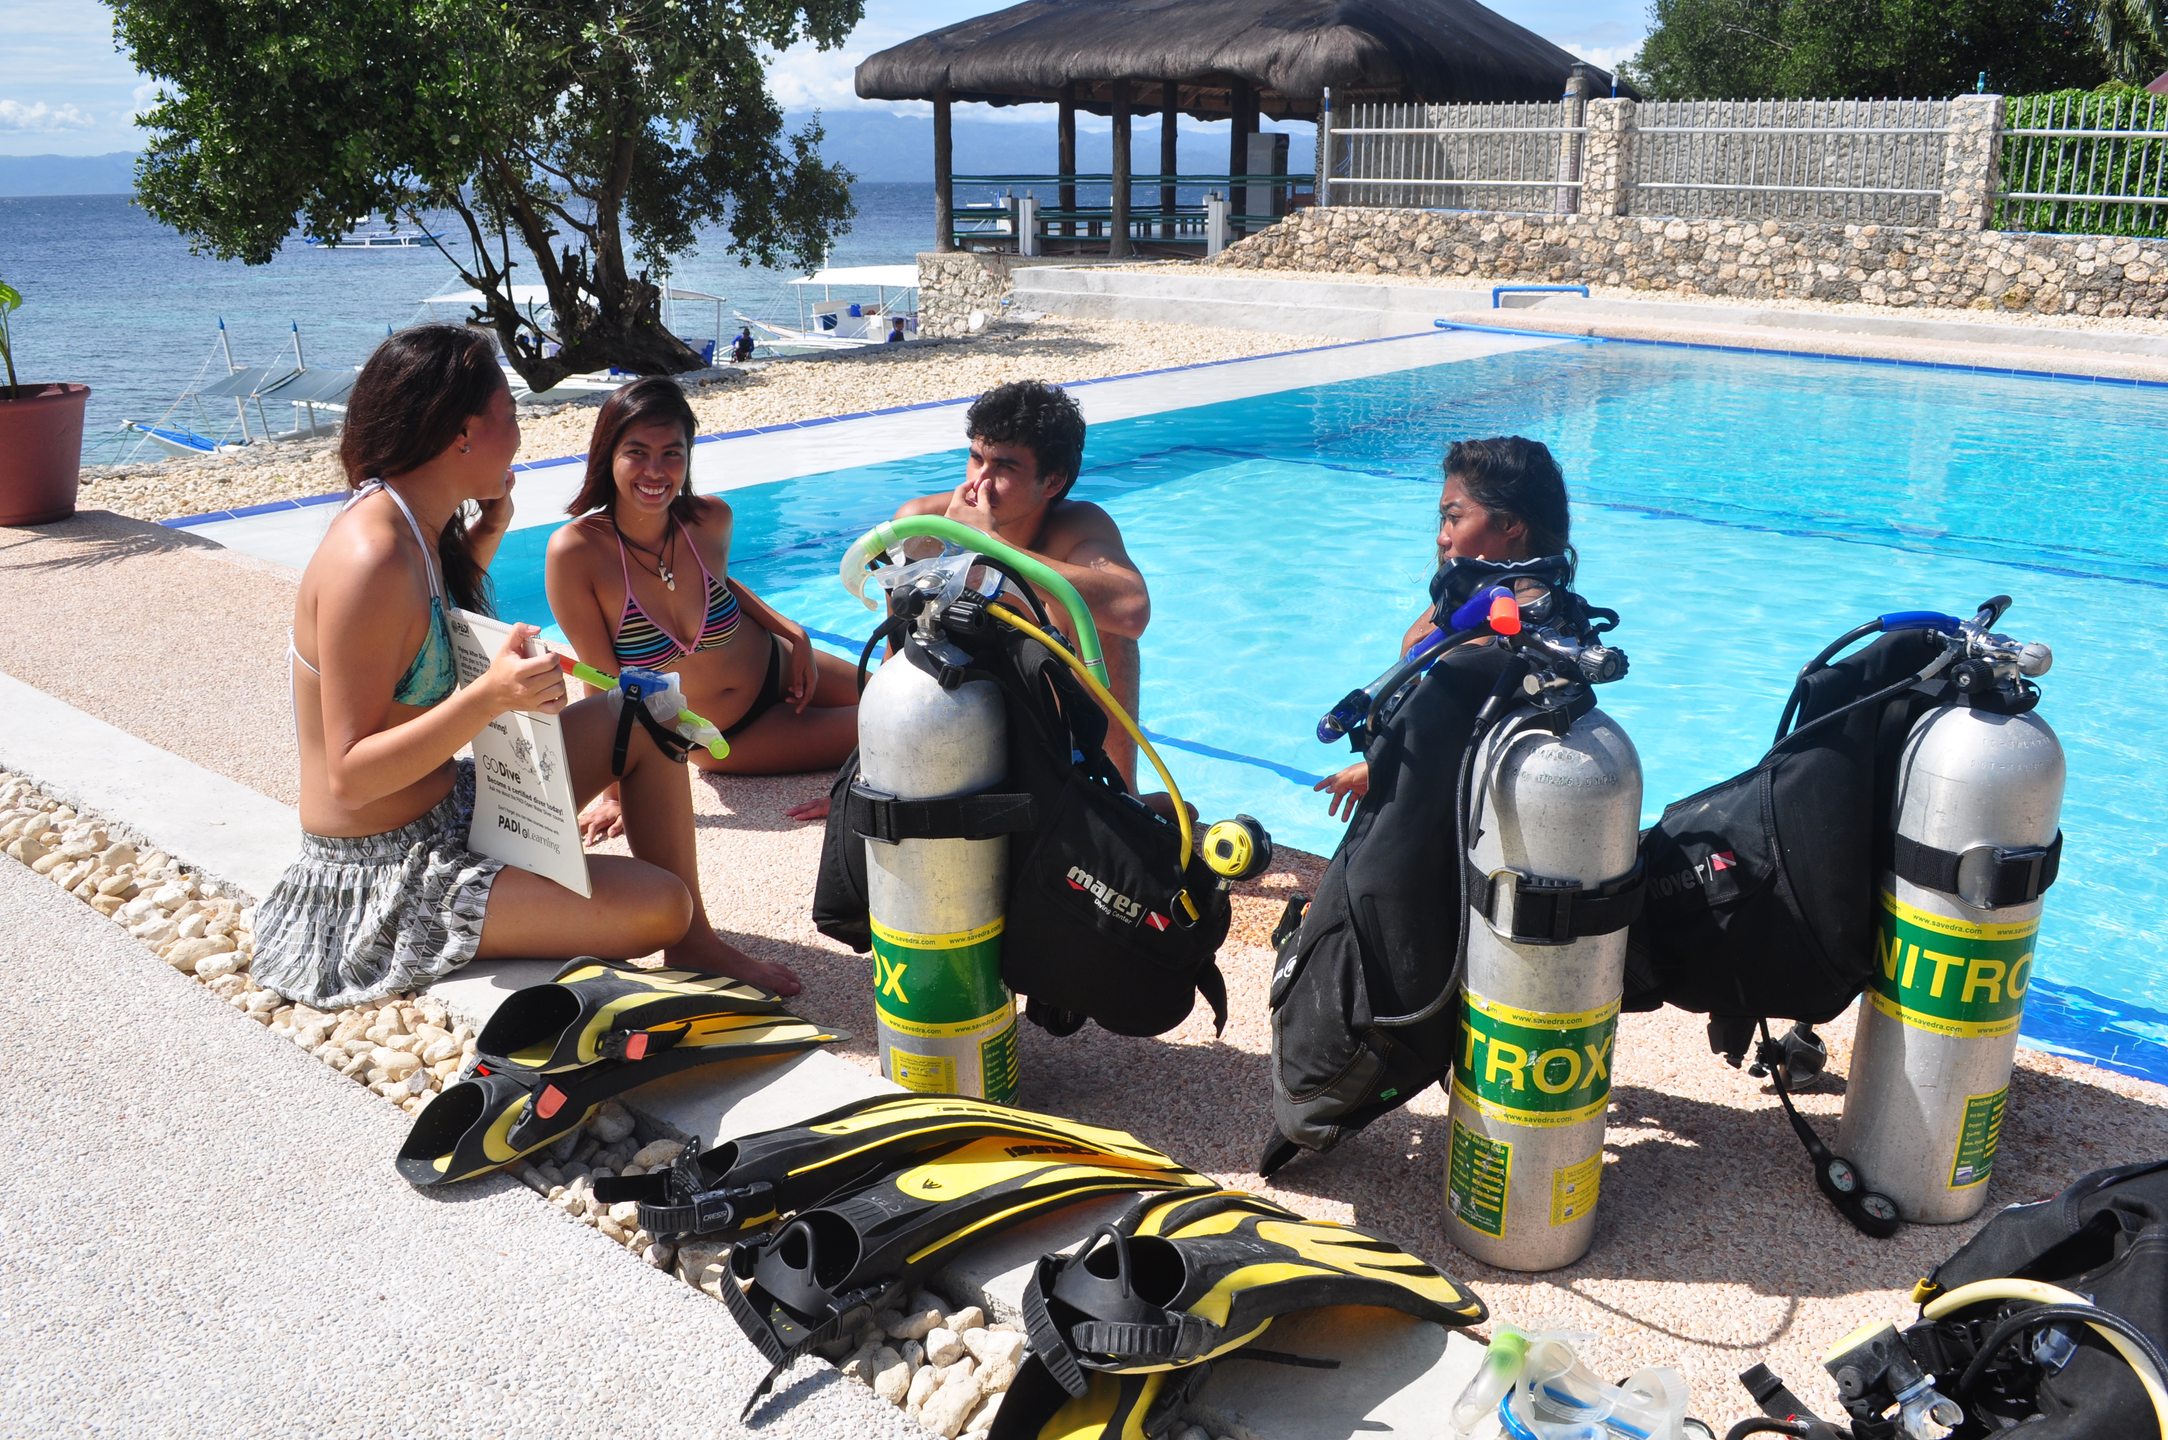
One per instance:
[(282, 382), (832, 324), (534, 302)]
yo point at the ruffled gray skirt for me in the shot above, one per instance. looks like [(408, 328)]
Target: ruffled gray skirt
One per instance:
[(354, 920)]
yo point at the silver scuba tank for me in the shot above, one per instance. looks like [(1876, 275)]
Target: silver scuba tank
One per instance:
[(947, 1024), (1979, 795), (1553, 847)]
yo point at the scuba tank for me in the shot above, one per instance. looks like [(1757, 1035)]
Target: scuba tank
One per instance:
[(1765, 894), (1366, 996), (1552, 880), (930, 731), (980, 838), (1979, 793)]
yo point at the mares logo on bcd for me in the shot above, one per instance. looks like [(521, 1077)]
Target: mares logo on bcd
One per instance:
[(1950, 977), (1529, 1067)]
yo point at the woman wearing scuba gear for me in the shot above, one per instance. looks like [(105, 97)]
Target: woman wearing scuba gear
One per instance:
[(388, 894), (642, 577), (1504, 500)]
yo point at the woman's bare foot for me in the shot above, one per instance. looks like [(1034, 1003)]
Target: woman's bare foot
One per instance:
[(707, 952)]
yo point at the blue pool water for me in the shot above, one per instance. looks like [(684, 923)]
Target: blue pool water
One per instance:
[(1738, 511)]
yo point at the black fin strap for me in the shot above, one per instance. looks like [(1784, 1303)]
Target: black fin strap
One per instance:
[(1048, 1343), (1986, 877), (877, 815), (615, 1189), (1181, 1338), (1544, 911), (757, 1330), (701, 1212)]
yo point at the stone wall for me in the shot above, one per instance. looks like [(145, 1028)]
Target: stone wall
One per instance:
[(1747, 260), (953, 284)]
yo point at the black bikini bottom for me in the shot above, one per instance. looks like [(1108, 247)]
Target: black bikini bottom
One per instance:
[(771, 691)]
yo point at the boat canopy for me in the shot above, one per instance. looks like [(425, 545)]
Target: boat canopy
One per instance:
[(281, 383), (890, 277), (540, 295)]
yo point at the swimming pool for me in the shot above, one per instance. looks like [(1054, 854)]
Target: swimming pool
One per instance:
[(1738, 511)]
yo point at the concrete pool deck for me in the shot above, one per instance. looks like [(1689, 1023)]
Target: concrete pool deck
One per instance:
[(1713, 1250)]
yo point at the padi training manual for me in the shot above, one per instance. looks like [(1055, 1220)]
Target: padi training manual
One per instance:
[(523, 809)]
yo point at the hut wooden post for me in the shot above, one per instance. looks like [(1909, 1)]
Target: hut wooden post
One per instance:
[(1170, 156), (1065, 153), (944, 176), (1118, 225), (1242, 119)]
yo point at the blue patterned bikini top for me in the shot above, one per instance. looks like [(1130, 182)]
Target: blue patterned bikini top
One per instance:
[(433, 674)]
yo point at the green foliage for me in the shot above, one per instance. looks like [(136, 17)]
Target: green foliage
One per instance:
[(557, 128), (11, 299), (1839, 49), (2133, 37), (2042, 164)]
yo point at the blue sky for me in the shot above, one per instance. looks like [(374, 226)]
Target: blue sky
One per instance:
[(66, 91)]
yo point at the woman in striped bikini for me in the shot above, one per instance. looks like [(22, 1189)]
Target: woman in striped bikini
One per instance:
[(642, 577)]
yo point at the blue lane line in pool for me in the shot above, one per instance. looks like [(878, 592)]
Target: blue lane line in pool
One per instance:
[(1198, 747), (2067, 377), (1289, 773)]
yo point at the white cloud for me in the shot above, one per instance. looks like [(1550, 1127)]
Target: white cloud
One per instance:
[(142, 98), (41, 118), (1603, 57)]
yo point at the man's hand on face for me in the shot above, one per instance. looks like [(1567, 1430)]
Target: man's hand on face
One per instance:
[(972, 503)]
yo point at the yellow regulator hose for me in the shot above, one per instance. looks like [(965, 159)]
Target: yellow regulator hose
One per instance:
[(1114, 710), (2042, 1293)]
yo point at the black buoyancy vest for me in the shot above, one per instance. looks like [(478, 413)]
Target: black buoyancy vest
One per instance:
[(1761, 889), (1094, 928), (2105, 1236), (1365, 1006)]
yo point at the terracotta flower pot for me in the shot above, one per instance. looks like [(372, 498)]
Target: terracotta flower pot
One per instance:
[(41, 452)]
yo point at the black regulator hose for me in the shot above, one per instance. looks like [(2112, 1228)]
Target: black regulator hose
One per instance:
[(1770, 1425), (1395, 679), (2015, 1325)]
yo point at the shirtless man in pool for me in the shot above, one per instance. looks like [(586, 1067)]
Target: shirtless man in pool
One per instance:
[(1027, 445)]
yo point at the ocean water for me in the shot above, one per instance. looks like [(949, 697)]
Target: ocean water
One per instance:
[(1738, 511), (114, 300)]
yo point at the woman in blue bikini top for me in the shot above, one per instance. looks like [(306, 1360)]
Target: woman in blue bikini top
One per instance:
[(642, 577)]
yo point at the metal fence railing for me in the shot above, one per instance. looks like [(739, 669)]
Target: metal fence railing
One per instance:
[(1827, 161), (2081, 163), (1455, 157)]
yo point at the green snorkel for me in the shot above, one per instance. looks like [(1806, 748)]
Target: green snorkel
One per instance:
[(858, 562), (697, 730)]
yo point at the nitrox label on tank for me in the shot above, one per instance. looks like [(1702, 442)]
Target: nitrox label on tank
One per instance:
[(1534, 1067), (1956, 978), (944, 1011)]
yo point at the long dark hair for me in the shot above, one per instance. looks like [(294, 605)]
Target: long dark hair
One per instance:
[(416, 393), (643, 402), (1516, 479)]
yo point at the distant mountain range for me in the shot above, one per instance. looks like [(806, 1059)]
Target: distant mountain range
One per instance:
[(872, 144), (67, 174)]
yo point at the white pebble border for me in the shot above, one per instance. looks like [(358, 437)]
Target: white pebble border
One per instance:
[(947, 1367)]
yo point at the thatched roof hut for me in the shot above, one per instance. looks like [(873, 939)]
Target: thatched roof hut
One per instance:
[(1285, 53)]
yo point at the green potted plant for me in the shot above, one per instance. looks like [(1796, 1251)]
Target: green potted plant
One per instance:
[(41, 437)]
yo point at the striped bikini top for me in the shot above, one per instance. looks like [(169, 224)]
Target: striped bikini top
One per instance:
[(642, 641)]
